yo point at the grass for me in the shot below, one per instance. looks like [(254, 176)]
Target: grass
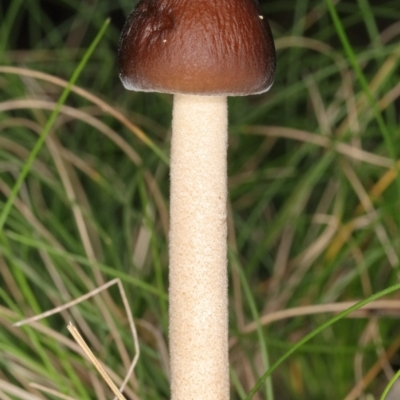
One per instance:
[(313, 207)]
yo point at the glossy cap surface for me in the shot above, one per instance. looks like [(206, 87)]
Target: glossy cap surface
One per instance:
[(209, 47)]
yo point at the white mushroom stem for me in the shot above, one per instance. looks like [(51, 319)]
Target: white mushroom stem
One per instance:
[(198, 252)]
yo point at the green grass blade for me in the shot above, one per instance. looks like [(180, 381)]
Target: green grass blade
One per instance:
[(84, 261), (7, 23), (391, 148), (315, 332), (390, 385), (256, 317), (49, 124)]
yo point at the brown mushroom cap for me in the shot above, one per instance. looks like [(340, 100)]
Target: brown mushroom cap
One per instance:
[(209, 47)]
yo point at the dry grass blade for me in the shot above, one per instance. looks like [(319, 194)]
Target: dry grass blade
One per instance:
[(373, 371), (323, 141), (16, 392), (379, 306), (81, 92), (87, 296), (53, 392), (369, 208), (308, 43), (74, 332), (78, 115)]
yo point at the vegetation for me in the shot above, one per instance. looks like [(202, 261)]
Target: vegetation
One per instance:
[(313, 206)]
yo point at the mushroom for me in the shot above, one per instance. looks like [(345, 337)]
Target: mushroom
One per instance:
[(201, 51)]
